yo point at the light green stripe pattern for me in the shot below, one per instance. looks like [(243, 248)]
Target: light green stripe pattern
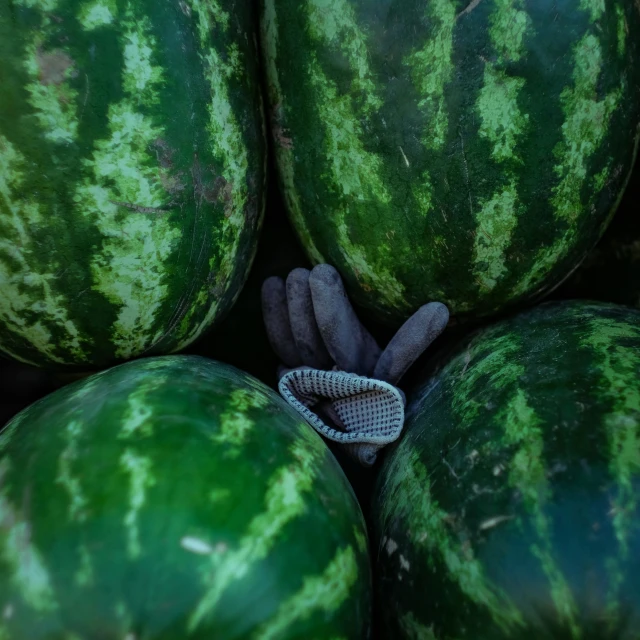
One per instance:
[(284, 502), (499, 360), (503, 124), (618, 365), (129, 269), (324, 593), (284, 146), (585, 127), (25, 290), (354, 173), (16, 550), (428, 525), (527, 474), (227, 143)]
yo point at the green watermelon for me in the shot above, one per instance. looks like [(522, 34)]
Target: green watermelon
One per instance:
[(132, 171), (173, 498), (467, 151), (611, 272), (510, 508)]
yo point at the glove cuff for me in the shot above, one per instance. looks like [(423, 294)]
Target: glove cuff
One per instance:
[(367, 413)]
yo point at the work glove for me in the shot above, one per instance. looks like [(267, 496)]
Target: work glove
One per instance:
[(333, 372)]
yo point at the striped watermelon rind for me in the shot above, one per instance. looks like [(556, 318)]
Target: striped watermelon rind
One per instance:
[(132, 174), (469, 152), (176, 497), (510, 508)]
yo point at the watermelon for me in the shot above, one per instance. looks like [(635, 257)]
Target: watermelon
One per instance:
[(176, 497), (467, 151), (510, 508), (132, 174), (611, 272)]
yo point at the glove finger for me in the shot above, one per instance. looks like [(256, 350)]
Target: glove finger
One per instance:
[(411, 340), (303, 323), (275, 314), (351, 346)]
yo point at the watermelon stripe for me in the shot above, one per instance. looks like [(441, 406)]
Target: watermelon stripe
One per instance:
[(123, 179), (27, 290), (355, 172), (284, 502), (78, 501), (416, 631), (28, 571), (234, 422), (623, 31), (595, 8), (98, 14), (85, 575), (528, 476), (324, 593), (139, 470), (431, 69), (228, 145), (584, 130), (623, 432), (503, 123), (527, 473), (429, 528), (283, 145)]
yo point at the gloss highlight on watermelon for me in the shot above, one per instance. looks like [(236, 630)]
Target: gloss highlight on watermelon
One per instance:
[(510, 508), (467, 152), (132, 170), (172, 498)]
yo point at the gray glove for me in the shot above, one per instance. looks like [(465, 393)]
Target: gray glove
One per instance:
[(334, 373)]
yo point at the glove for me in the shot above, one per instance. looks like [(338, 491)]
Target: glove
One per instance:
[(333, 372)]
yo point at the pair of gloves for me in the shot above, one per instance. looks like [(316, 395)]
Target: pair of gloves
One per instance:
[(333, 372)]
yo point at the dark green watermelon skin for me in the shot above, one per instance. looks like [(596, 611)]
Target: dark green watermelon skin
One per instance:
[(173, 498), (611, 272), (510, 508), (469, 152), (132, 174)]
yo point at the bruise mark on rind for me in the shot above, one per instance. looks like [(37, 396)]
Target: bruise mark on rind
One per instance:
[(55, 67)]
